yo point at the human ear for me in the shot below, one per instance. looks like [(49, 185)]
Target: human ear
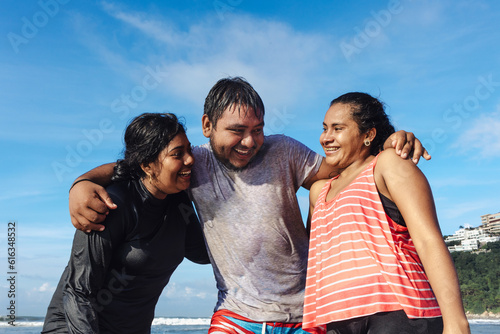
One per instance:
[(146, 168), (206, 126), (371, 134)]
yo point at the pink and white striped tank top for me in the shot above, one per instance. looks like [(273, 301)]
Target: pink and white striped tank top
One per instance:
[(360, 261)]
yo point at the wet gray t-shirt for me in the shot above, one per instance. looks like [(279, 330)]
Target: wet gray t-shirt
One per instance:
[(254, 230)]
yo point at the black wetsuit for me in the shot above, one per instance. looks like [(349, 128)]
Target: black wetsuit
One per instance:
[(114, 278)]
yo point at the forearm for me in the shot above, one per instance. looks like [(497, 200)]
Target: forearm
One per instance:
[(442, 276), (195, 247), (100, 175), (325, 172)]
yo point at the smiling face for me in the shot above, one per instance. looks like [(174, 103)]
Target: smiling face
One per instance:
[(341, 139), (238, 136), (171, 172)]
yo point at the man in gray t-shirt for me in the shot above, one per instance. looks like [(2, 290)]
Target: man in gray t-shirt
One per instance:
[(244, 188), (254, 231)]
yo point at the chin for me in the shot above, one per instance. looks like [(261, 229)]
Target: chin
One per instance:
[(235, 167), (332, 162)]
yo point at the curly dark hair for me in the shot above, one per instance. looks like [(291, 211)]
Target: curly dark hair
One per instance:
[(145, 137)]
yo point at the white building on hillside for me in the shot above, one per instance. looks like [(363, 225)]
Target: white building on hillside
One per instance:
[(491, 223), (470, 238)]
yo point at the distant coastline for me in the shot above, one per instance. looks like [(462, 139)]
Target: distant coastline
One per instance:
[(485, 315)]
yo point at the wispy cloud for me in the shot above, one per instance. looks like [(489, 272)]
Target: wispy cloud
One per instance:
[(457, 210), (20, 195), (186, 290), (45, 287), (460, 182), (155, 28), (270, 54), (482, 136)]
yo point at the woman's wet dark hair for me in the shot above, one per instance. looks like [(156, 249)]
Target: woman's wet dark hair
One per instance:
[(232, 91), (145, 137), (368, 112)]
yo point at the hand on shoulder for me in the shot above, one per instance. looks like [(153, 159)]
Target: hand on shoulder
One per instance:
[(390, 160), (407, 146), (392, 172)]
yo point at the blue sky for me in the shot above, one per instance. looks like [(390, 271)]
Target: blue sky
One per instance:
[(73, 73)]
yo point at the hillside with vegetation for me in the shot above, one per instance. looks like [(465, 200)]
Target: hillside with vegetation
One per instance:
[(479, 276)]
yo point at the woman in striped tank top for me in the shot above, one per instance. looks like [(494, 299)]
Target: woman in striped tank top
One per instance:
[(377, 259)]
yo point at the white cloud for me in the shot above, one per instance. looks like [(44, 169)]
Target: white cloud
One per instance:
[(272, 55), (180, 290), (44, 287), (155, 28), (482, 137)]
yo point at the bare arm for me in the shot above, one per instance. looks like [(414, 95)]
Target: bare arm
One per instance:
[(313, 197), (324, 172), (89, 203), (401, 181)]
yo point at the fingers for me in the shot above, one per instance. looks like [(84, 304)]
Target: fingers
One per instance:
[(399, 141), (95, 209), (88, 221), (407, 145), (85, 225), (86, 206), (403, 143), (94, 227), (419, 151), (103, 195)]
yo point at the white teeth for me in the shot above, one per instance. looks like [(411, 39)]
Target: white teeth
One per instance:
[(242, 152), (185, 173)]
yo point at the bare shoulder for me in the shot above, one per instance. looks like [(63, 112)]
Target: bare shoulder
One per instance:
[(391, 167), (388, 160)]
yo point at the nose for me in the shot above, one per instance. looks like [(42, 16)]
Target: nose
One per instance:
[(248, 140), (188, 159), (326, 137)]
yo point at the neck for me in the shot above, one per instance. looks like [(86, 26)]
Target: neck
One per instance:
[(355, 166), (152, 189)]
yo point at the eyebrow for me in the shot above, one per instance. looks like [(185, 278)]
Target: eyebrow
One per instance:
[(178, 147), (237, 125), (333, 124)]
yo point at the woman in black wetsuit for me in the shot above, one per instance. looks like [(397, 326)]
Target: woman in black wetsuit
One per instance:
[(115, 277)]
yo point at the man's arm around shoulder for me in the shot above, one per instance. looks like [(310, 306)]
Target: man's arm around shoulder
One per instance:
[(89, 203)]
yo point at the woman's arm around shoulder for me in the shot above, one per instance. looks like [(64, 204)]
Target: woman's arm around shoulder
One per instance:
[(403, 182)]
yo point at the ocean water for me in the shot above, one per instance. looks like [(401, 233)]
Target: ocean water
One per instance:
[(33, 325)]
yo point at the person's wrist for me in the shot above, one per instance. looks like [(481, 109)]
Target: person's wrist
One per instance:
[(78, 181)]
